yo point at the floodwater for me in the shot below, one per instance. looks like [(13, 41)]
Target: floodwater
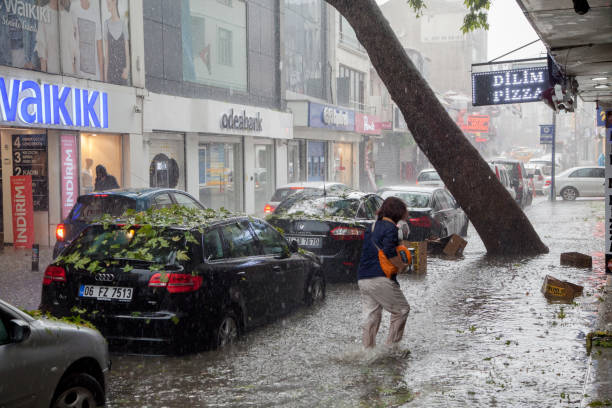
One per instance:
[(480, 333)]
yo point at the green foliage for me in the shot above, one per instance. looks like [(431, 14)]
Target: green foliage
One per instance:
[(475, 18), (76, 320)]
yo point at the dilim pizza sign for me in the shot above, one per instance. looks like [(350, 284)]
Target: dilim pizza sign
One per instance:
[(509, 86)]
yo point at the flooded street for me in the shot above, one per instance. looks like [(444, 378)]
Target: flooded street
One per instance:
[(480, 333)]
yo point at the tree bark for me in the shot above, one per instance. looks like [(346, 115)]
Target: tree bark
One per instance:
[(501, 224)]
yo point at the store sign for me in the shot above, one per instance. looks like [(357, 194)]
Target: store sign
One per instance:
[(601, 117), (475, 123), (366, 124), (242, 121), (384, 125), (68, 166), (509, 86), (23, 211), (546, 134), (28, 102), (331, 117)]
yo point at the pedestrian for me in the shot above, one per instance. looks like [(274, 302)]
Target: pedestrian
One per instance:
[(104, 181), (378, 291)]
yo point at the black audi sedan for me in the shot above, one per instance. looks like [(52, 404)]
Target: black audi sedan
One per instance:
[(181, 286), (434, 213), (331, 226)]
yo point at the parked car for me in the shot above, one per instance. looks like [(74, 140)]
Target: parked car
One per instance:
[(504, 178), (48, 363), (536, 172), (429, 177), (203, 287), (434, 213), (331, 226), (332, 188), (91, 206), (586, 181), (519, 180)]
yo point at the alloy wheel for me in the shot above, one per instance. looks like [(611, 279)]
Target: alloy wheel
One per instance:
[(569, 194), (76, 397), (317, 292), (228, 332)]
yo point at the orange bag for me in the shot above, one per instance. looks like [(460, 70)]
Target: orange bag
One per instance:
[(388, 268)]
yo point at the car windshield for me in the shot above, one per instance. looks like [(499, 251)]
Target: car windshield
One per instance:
[(114, 242), (429, 176), (283, 193), (413, 199), (320, 206), (91, 207)]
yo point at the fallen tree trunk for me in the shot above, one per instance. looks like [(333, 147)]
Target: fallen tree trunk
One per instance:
[(501, 224)]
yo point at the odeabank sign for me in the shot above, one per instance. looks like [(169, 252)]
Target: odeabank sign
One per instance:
[(31, 103), (242, 121), (509, 86)]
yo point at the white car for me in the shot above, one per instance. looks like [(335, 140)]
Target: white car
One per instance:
[(537, 172), (309, 186), (586, 181), (429, 177), (48, 363)]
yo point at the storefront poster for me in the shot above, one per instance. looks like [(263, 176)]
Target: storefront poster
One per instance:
[(30, 159), (69, 177), (86, 39), (23, 212)]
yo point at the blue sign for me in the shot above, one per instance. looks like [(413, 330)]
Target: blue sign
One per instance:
[(28, 102), (546, 134), (331, 117)]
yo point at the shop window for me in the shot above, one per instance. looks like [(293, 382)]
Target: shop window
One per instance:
[(220, 175), (163, 171), (166, 160), (100, 151), (343, 163), (264, 175)]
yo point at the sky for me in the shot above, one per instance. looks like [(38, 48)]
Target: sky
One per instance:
[(508, 30)]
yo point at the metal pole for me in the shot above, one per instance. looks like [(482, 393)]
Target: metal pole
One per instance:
[(553, 193)]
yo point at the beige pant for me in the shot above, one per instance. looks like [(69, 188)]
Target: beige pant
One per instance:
[(376, 294)]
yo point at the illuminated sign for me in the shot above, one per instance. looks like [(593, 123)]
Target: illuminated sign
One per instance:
[(331, 117), (30, 102), (510, 86), (475, 123)]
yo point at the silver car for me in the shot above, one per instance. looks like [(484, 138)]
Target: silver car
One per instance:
[(576, 182), (49, 363)]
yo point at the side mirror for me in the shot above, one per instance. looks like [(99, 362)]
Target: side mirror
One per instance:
[(18, 330), (293, 246)]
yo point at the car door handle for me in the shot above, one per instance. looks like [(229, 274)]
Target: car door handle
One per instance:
[(276, 268), (241, 273)]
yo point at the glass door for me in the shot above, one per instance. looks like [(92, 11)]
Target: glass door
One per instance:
[(220, 175), (264, 175)]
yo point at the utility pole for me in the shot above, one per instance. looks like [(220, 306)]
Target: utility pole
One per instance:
[(553, 193)]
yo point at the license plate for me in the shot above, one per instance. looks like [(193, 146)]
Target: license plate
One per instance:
[(312, 242), (105, 292)]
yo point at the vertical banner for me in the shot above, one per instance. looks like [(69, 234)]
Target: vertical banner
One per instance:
[(608, 182), (68, 173), (23, 211)]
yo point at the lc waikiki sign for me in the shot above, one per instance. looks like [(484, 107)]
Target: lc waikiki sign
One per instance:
[(31, 103)]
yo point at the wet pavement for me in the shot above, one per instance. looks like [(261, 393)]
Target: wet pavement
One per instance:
[(480, 333)]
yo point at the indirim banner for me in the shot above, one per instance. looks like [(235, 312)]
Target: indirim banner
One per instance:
[(608, 130), (23, 211)]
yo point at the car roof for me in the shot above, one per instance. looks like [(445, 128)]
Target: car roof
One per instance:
[(312, 184), (428, 170), (135, 193), (499, 160), (416, 189)]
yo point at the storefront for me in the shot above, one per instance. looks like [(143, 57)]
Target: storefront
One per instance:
[(234, 155), (58, 130), (325, 145)]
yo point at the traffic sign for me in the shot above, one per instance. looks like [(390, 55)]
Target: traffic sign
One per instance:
[(546, 134)]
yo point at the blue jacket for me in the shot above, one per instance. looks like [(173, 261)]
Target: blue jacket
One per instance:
[(385, 236)]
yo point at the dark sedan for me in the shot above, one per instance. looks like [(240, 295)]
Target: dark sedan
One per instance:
[(202, 285), (331, 226), (434, 213), (92, 206)]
